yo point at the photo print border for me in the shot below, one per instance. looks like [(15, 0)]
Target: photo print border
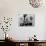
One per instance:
[(26, 20)]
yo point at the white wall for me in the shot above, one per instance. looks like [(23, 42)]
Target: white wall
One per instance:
[(12, 8)]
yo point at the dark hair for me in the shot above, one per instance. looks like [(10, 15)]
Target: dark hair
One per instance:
[(34, 35)]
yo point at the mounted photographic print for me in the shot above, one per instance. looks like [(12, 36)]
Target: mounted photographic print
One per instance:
[(27, 20)]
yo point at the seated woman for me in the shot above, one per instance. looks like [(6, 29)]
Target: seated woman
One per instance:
[(35, 38)]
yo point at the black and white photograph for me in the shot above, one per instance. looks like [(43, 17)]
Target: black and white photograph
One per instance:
[(27, 20)]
